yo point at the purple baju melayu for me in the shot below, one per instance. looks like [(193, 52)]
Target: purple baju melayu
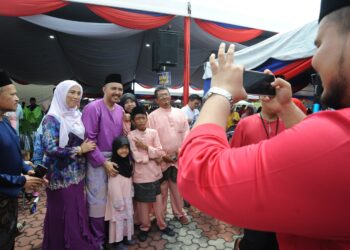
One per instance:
[(102, 125)]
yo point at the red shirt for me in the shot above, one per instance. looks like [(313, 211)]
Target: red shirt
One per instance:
[(252, 129), (295, 184)]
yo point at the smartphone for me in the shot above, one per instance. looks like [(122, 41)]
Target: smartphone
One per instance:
[(258, 83), (40, 171)]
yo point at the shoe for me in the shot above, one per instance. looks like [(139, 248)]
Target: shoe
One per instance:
[(142, 236), (120, 246), (127, 242), (136, 227), (186, 204), (20, 227), (168, 231), (183, 220), (237, 244)]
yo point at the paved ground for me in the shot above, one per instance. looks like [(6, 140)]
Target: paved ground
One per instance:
[(203, 232)]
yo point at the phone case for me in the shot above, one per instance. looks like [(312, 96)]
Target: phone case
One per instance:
[(40, 171), (258, 83)]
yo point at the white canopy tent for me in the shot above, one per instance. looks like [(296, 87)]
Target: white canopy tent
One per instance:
[(272, 15), (139, 90), (292, 45), (87, 48)]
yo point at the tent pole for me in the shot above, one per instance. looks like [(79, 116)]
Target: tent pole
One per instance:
[(187, 45)]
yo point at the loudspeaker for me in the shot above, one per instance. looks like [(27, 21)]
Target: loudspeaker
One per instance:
[(165, 49)]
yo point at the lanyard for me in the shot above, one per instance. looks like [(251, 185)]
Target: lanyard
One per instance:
[(263, 123)]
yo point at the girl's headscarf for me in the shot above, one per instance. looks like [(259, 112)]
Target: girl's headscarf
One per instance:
[(124, 163), (126, 97)]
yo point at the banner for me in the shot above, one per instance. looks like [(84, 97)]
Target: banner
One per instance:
[(164, 78)]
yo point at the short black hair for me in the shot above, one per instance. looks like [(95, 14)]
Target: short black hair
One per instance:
[(137, 110), (32, 99), (194, 97), (159, 88)]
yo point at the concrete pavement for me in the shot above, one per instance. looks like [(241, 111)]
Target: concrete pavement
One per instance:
[(202, 233)]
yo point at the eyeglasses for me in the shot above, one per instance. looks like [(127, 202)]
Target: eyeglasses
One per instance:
[(163, 95)]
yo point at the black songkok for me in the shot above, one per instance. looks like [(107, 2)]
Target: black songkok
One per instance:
[(113, 78), (328, 6), (4, 79)]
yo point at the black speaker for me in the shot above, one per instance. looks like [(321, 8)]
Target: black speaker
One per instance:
[(165, 49)]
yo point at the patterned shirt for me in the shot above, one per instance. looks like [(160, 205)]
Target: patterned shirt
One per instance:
[(65, 167)]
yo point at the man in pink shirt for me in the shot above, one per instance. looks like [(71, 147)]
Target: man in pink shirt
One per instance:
[(172, 127), (297, 181), (147, 151)]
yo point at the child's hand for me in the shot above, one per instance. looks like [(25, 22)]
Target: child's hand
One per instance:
[(140, 144), (126, 117), (170, 158), (158, 160)]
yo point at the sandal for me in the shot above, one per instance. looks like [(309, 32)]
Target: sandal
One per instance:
[(20, 227)]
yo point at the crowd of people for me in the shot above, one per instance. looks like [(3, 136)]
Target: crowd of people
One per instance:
[(111, 165)]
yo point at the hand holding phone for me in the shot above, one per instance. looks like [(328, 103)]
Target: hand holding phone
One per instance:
[(40, 171), (258, 83)]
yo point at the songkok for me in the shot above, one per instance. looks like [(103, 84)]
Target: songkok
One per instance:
[(328, 6), (4, 79), (137, 110), (114, 78)]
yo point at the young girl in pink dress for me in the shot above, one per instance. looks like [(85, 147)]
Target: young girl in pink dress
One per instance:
[(119, 209)]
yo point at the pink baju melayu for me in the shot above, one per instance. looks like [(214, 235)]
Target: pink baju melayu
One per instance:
[(146, 170), (172, 127)]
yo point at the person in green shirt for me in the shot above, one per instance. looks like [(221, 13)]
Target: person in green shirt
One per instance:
[(32, 115)]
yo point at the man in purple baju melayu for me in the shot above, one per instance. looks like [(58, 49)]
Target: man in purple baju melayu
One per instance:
[(103, 121)]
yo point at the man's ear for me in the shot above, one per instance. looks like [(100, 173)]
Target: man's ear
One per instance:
[(156, 100)]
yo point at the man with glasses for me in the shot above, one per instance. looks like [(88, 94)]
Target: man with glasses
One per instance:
[(172, 127)]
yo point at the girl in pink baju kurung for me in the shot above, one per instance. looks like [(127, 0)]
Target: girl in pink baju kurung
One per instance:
[(119, 209)]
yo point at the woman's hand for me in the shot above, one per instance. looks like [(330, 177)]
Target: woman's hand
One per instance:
[(87, 146), (31, 172)]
